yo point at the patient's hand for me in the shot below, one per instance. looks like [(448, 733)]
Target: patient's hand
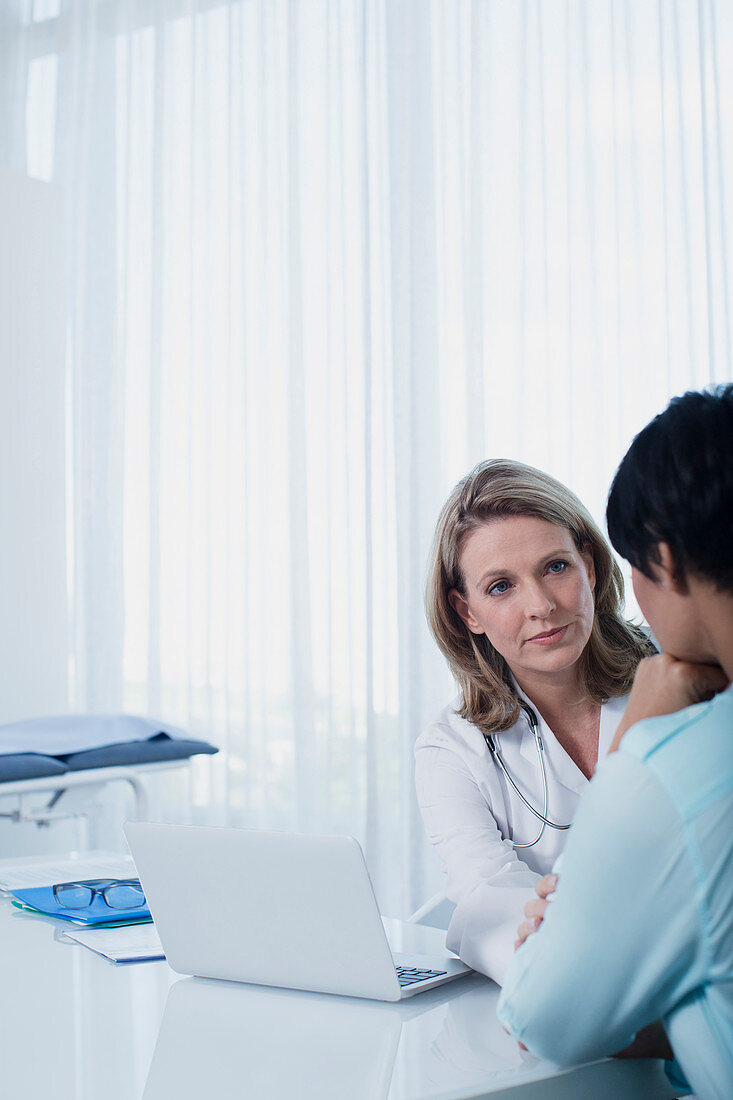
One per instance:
[(663, 685), (534, 910)]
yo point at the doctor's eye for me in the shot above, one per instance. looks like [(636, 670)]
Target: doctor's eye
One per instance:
[(558, 566), (499, 588)]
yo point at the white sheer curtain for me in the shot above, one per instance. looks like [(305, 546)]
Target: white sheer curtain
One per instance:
[(323, 257)]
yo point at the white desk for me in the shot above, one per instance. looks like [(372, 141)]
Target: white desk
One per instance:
[(75, 1027)]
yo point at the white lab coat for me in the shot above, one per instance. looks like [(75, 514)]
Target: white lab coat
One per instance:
[(472, 816)]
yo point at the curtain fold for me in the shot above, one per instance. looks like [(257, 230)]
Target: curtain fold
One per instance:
[(323, 256)]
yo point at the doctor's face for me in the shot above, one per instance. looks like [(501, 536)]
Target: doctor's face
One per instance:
[(530, 591)]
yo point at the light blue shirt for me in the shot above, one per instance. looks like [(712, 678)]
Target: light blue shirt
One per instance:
[(641, 925)]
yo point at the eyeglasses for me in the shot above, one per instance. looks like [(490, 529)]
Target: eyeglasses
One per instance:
[(118, 893)]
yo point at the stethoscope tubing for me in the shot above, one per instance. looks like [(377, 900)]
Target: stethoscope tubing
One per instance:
[(494, 750)]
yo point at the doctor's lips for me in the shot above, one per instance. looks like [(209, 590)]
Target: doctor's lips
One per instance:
[(549, 636)]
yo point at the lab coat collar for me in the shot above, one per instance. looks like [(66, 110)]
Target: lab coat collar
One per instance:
[(611, 714), (526, 742)]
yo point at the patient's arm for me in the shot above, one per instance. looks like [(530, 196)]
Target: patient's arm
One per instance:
[(650, 1042), (619, 946)]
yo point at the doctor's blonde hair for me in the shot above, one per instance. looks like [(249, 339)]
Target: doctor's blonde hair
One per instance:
[(498, 488)]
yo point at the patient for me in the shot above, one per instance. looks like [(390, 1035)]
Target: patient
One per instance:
[(640, 927)]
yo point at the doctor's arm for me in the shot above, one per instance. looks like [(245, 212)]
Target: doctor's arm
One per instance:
[(619, 945), (485, 878)]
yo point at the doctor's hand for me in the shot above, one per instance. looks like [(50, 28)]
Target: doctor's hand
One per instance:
[(535, 909), (663, 685)]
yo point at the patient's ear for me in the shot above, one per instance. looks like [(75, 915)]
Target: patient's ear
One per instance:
[(459, 604), (669, 575)]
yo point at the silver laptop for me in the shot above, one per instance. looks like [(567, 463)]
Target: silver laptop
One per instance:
[(279, 909)]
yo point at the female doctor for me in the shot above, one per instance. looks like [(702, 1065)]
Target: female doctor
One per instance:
[(524, 599)]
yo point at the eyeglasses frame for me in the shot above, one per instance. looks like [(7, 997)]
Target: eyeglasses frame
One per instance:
[(100, 886)]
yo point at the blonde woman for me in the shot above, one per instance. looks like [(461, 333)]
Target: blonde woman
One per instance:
[(525, 600)]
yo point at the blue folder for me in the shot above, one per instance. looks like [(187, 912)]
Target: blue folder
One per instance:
[(41, 898)]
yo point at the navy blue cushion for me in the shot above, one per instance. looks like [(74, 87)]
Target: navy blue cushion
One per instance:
[(28, 765), (160, 747)]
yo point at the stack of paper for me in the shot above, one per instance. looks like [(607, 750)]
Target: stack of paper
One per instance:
[(132, 944), (18, 874)]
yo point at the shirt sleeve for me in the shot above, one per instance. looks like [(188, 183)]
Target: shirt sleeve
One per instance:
[(485, 879), (621, 942)]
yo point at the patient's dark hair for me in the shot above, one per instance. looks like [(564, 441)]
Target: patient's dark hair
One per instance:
[(675, 485)]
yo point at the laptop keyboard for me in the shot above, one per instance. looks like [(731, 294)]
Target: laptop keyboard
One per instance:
[(408, 975)]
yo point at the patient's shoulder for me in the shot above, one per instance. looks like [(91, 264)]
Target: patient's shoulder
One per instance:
[(690, 751), (713, 719), (648, 737)]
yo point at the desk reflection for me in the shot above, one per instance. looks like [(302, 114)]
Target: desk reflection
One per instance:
[(272, 1043), (232, 1040), (239, 1040)]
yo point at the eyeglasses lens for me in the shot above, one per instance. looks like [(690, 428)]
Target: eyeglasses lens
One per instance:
[(124, 896), (73, 897)]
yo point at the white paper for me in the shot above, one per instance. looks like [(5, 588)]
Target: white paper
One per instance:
[(129, 944), (19, 874)]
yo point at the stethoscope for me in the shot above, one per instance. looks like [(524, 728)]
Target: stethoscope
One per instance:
[(493, 749)]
